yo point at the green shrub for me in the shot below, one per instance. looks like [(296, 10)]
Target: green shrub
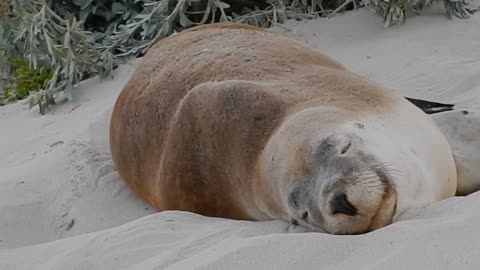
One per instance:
[(25, 80), (79, 39)]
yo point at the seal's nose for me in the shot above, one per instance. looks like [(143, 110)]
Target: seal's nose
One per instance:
[(340, 205)]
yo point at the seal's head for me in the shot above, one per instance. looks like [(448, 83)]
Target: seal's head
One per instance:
[(345, 190), (328, 178)]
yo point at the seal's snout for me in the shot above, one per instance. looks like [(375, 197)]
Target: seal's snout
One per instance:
[(358, 202), (340, 205)]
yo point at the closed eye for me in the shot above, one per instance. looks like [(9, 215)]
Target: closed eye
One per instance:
[(294, 221), (346, 147)]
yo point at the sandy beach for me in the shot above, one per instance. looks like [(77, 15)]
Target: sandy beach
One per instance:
[(63, 205)]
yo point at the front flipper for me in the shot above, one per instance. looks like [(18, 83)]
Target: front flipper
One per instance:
[(468, 180), (462, 129), (430, 107)]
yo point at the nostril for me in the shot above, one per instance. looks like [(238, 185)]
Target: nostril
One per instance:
[(340, 205)]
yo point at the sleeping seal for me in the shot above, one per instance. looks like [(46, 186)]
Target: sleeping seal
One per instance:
[(233, 121)]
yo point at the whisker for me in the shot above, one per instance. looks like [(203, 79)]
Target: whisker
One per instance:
[(387, 168)]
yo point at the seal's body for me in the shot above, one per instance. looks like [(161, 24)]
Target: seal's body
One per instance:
[(232, 121)]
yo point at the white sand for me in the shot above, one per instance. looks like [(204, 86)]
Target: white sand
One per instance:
[(62, 205)]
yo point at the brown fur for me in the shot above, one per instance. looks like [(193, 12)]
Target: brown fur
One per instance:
[(188, 129)]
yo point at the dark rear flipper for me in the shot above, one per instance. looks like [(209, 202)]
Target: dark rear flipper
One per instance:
[(430, 107)]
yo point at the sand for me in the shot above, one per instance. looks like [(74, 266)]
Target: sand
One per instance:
[(63, 206)]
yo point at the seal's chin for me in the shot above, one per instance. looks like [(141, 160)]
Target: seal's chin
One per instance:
[(386, 210)]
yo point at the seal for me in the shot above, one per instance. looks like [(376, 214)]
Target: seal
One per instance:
[(229, 120)]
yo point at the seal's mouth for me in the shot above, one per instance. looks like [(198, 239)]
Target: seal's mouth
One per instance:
[(307, 225)]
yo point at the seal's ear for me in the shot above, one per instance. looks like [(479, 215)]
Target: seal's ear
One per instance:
[(466, 182)]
